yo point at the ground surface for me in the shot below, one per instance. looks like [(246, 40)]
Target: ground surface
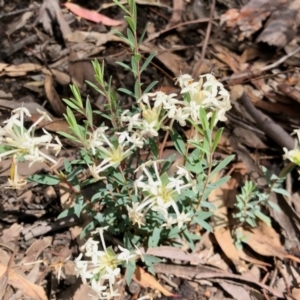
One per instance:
[(251, 47)]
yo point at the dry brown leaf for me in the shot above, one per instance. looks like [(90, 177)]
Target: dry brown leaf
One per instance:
[(228, 57), (3, 66), (61, 77), (23, 68), (11, 233), (34, 251), (225, 241), (296, 293), (19, 282), (95, 37), (58, 125), (236, 291), (19, 23), (173, 62), (53, 97), (31, 106), (50, 11), (264, 240), (146, 280)]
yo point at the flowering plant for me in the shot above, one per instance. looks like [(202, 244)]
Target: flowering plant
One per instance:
[(143, 197)]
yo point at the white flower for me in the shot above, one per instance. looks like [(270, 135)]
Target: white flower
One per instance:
[(183, 172), (181, 116), (111, 274), (148, 129), (133, 121), (125, 254), (182, 218), (184, 80), (137, 140), (134, 214), (22, 142), (292, 155)]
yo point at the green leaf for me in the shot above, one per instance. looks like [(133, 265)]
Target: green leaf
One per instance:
[(149, 261), (221, 165), (203, 223), (88, 228), (150, 86), (178, 142), (155, 237), (131, 39), (79, 205), (274, 205), (122, 6), (77, 95), (134, 68), (153, 147), (130, 23), (74, 173), (131, 266), (68, 136), (281, 191), (203, 119), (96, 88), (67, 212), (168, 163), (143, 33), (44, 179), (126, 91), (124, 66), (263, 217), (72, 105), (147, 62), (68, 167), (89, 112), (217, 139), (213, 120)]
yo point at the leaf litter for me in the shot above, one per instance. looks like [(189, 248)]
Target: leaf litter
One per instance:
[(254, 50)]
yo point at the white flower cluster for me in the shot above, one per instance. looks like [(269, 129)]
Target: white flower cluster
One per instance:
[(294, 155), (103, 268), (207, 93), (153, 116), (19, 143), (160, 194)]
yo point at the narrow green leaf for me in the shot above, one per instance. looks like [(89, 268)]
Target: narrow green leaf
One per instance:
[(203, 118), (77, 95), (123, 65), (134, 66), (130, 271), (130, 23), (89, 112), (281, 191), (147, 61), (178, 142), (122, 6), (44, 179), (125, 91), (212, 120), (131, 39), (143, 34), (217, 139), (221, 165), (153, 147), (68, 136), (263, 217), (95, 87), (67, 212), (150, 86)]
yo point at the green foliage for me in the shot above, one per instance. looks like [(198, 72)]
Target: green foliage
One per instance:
[(142, 199)]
